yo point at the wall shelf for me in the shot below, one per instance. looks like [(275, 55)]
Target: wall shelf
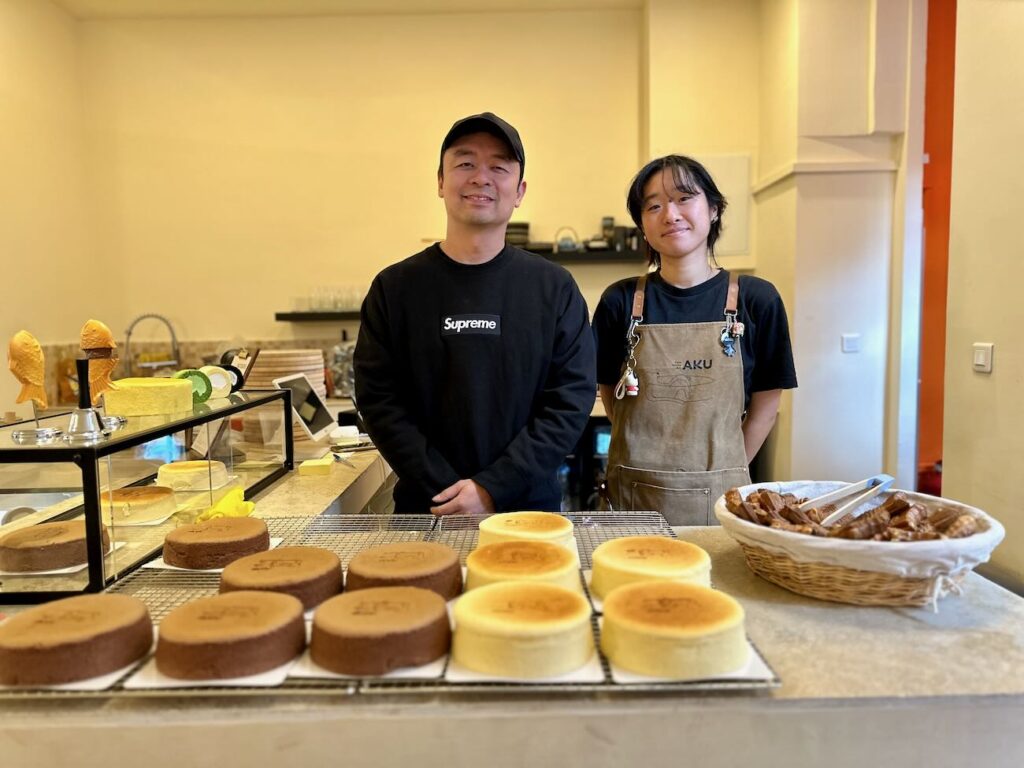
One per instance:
[(316, 317), (590, 257)]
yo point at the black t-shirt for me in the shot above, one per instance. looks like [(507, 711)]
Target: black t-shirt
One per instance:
[(765, 345), (475, 371)]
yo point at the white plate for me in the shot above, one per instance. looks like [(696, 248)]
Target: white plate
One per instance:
[(160, 565), (305, 667), (100, 683)]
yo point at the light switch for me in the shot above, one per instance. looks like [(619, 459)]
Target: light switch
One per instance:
[(983, 357), (850, 342)]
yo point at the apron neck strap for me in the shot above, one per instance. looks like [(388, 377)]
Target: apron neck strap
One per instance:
[(732, 297), (638, 299)]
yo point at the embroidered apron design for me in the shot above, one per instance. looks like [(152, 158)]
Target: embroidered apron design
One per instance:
[(677, 439)]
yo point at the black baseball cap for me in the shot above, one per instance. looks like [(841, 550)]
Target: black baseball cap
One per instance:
[(486, 122)]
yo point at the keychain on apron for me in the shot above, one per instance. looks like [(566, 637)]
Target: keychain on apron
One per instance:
[(629, 384), (733, 330)]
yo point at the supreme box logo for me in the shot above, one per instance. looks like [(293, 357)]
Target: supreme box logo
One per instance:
[(463, 325)]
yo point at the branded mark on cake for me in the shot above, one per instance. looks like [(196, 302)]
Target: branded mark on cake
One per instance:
[(465, 325), (517, 556), (279, 563), (377, 607), (400, 557), (73, 616), (32, 537), (229, 612), (669, 605), (644, 553)]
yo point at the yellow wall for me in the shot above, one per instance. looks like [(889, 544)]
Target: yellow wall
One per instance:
[(984, 421), (241, 162), (49, 265)]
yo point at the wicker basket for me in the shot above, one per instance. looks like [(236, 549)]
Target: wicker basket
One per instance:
[(860, 572)]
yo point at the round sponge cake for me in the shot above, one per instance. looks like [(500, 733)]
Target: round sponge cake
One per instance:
[(232, 635), (137, 504), (73, 639), (522, 630), (215, 543), (642, 558), (535, 561), (373, 631), (673, 630), (526, 526), (46, 547), (424, 564), (311, 574)]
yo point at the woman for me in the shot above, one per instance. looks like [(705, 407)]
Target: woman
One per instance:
[(691, 360)]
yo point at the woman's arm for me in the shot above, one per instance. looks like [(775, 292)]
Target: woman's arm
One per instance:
[(760, 418), (607, 398)]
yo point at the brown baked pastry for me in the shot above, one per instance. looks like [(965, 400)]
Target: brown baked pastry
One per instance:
[(373, 631), (73, 639), (46, 547), (215, 543), (311, 574), (423, 564), (232, 635)]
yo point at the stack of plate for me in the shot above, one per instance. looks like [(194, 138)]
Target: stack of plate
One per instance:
[(276, 363)]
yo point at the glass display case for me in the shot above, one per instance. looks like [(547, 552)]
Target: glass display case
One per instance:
[(127, 489)]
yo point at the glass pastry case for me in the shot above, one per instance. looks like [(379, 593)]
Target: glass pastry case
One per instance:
[(75, 518)]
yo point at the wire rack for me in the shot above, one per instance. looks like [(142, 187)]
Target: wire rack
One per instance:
[(346, 535)]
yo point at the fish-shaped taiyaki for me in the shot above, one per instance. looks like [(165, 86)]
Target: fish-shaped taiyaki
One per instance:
[(97, 342), (26, 361)]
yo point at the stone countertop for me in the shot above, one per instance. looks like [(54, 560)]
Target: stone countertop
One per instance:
[(883, 686), (345, 490)]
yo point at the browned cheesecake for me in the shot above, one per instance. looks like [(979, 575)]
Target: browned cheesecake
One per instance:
[(215, 543), (73, 639), (46, 547), (231, 635), (311, 574), (373, 631), (424, 564)]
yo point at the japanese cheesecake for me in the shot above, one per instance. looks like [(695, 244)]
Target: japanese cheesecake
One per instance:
[(423, 564), (373, 631), (148, 397), (526, 526), (673, 630), (73, 639), (535, 561), (192, 475), (231, 635), (641, 558), (215, 543), (520, 629), (46, 547), (311, 574), (137, 504)]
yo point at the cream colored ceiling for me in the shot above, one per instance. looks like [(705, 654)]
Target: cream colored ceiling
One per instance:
[(113, 9)]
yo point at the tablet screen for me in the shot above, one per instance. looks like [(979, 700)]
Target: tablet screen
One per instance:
[(308, 406)]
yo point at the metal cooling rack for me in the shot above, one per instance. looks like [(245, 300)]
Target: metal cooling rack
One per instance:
[(346, 535)]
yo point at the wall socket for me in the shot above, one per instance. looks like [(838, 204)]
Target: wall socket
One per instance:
[(850, 342)]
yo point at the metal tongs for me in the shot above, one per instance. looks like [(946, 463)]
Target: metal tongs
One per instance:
[(865, 489)]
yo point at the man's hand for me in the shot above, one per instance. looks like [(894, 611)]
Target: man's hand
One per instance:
[(463, 498)]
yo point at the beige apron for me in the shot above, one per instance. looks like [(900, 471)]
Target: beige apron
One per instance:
[(678, 444)]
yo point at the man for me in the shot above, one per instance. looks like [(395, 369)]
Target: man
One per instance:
[(475, 363)]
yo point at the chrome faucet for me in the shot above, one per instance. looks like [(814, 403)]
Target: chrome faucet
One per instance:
[(128, 339)]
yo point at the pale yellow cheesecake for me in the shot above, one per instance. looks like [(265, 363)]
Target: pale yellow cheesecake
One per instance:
[(641, 558), (192, 475), (519, 629), (535, 561), (673, 630), (148, 397), (526, 526)]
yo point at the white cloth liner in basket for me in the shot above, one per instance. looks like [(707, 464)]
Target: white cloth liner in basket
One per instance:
[(936, 560)]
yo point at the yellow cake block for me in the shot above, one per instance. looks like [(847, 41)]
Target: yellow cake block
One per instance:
[(534, 561), (672, 630), (148, 397), (321, 466), (641, 558), (522, 630), (526, 526)]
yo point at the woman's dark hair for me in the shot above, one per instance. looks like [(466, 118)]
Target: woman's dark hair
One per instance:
[(690, 177)]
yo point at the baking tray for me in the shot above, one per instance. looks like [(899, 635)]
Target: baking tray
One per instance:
[(346, 535)]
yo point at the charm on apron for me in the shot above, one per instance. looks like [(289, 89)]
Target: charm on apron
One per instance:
[(728, 343), (732, 332), (628, 386)]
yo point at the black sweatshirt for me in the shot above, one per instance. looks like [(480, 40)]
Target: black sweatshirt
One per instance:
[(485, 372)]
